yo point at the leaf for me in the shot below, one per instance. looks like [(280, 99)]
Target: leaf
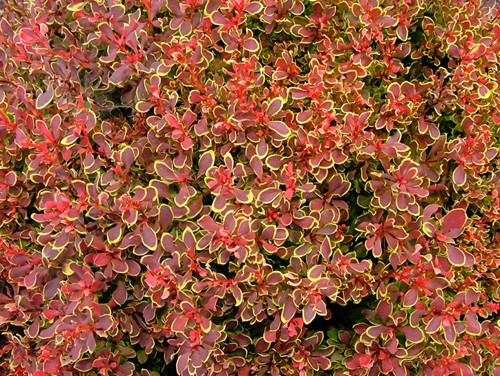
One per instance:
[(484, 92), (268, 195), (433, 325), (165, 171), (262, 148), (207, 223), (288, 311), (128, 155), (45, 98), (149, 238), (454, 222), (308, 314), (402, 32), (120, 295), (206, 162), (120, 74), (298, 93), (185, 193), (459, 177), (376, 331), (455, 255), (450, 333), (251, 45), (472, 325), (143, 107), (410, 298), (114, 235), (119, 266), (280, 128), (314, 274), (304, 116), (243, 197), (274, 106), (76, 7), (414, 335), (254, 8)]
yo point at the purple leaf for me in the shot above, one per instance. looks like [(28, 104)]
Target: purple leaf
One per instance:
[(268, 195), (45, 98), (414, 335), (280, 128), (251, 45), (274, 106), (455, 255), (120, 74), (459, 176), (454, 222), (149, 237)]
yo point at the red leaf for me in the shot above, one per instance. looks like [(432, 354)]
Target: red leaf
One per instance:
[(207, 223), (119, 266), (120, 295), (205, 163), (365, 360), (375, 331), (245, 371)]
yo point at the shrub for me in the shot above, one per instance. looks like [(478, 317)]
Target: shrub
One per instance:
[(249, 187)]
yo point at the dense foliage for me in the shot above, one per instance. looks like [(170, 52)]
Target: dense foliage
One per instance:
[(249, 187)]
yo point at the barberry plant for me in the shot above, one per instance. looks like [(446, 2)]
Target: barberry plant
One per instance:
[(249, 187)]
